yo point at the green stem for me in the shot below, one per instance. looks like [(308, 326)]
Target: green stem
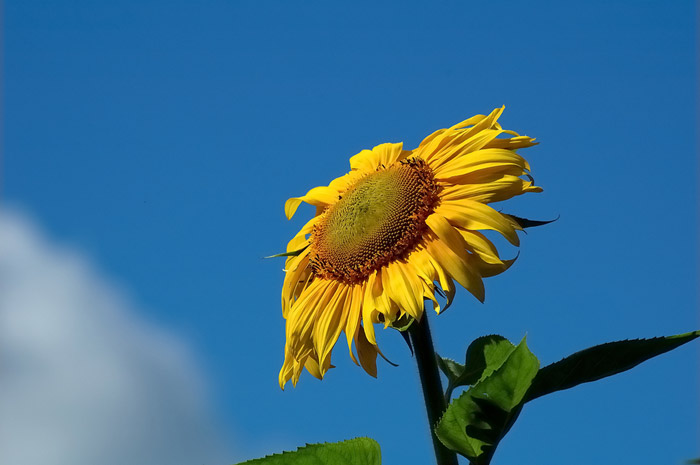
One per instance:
[(419, 333)]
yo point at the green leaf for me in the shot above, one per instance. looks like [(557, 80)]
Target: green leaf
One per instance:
[(450, 368), (484, 355), (601, 361), (293, 253), (358, 451), (474, 423)]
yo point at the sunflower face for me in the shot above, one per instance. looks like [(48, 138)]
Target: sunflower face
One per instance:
[(377, 220), (398, 228)]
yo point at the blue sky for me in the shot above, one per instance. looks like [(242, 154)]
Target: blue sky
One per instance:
[(159, 140)]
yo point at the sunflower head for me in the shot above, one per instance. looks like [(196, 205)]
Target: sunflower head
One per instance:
[(400, 227)]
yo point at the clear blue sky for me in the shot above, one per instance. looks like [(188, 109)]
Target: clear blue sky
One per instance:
[(162, 139)]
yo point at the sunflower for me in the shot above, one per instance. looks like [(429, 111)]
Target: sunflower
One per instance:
[(399, 228)]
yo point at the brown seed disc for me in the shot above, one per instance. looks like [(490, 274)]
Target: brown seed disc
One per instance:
[(377, 220)]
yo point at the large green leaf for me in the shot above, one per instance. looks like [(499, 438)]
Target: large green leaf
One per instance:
[(601, 361), (484, 356), (474, 423), (358, 451)]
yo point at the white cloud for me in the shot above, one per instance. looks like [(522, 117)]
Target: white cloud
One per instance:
[(84, 380)]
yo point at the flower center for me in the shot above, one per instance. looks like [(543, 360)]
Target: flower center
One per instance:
[(377, 220)]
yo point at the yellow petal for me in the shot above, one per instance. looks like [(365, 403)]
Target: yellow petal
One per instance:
[(388, 153), (433, 147), (501, 187), (366, 352), (297, 275), (419, 264), (480, 245), (492, 159), (321, 196), (489, 121), (469, 123), (512, 143), (463, 149), (313, 367), (381, 155), (304, 313), (455, 262), (474, 215), (383, 304), (367, 160), (447, 234), (405, 290), (437, 274), (286, 370), (489, 269), (419, 260), (342, 183), (369, 303), (353, 319), (330, 323)]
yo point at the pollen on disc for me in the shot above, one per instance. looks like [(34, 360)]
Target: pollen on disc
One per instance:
[(377, 220)]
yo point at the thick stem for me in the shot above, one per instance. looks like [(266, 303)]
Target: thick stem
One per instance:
[(419, 333)]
